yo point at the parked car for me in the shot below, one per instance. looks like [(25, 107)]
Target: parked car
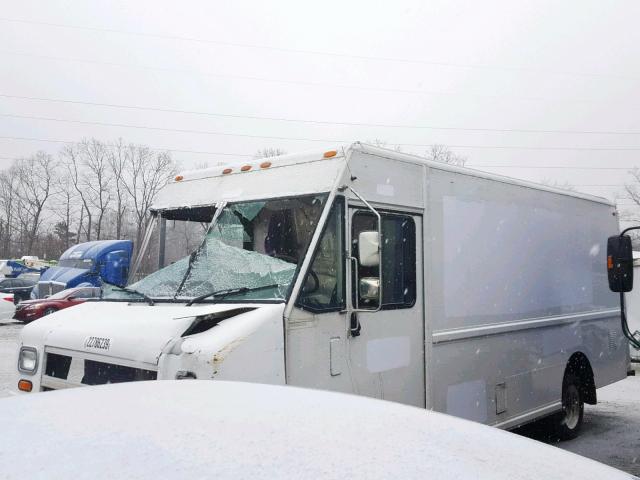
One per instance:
[(7, 307), (30, 310), (187, 429), (20, 287)]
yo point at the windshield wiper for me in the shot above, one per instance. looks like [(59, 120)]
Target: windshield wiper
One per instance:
[(219, 294), (192, 258), (148, 299)]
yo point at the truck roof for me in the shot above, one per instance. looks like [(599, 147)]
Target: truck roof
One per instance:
[(305, 172), (94, 248)]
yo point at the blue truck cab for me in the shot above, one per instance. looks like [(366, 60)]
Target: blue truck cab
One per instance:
[(87, 264)]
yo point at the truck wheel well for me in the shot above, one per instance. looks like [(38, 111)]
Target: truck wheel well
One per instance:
[(579, 366)]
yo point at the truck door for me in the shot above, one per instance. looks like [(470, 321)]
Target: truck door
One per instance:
[(386, 343), (379, 353)]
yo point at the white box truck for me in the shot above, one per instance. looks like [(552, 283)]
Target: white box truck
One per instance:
[(360, 270)]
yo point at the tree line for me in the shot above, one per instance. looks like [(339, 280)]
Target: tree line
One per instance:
[(90, 190)]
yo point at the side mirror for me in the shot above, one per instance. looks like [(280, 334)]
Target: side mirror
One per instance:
[(620, 263), (369, 249), (369, 288)]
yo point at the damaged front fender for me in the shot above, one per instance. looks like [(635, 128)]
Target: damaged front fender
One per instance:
[(246, 347)]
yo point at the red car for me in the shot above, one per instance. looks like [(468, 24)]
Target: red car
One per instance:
[(30, 310)]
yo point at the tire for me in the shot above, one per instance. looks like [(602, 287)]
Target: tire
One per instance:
[(569, 420), (49, 311)]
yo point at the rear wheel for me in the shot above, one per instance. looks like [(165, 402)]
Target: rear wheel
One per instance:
[(569, 420), (48, 311)]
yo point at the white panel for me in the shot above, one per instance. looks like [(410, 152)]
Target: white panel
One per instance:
[(468, 400), (288, 180), (505, 253), (388, 353), (336, 354), (387, 180)]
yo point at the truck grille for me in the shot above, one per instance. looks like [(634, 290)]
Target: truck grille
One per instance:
[(64, 369), (46, 289)]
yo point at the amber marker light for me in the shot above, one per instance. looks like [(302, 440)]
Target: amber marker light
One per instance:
[(245, 168), (265, 164), (25, 386), (330, 153), (179, 178), (609, 262), (227, 171)]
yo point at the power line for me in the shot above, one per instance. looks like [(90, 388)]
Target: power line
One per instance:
[(192, 72), (156, 149), (306, 83), (307, 139), (316, 52), (318, 122), (177, 150)]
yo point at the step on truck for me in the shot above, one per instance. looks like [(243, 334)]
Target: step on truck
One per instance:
[(360, 270)]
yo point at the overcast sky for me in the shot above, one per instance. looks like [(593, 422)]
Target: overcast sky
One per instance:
[(513, 86)]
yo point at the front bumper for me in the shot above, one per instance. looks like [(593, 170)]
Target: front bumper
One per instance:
[(25, 315)]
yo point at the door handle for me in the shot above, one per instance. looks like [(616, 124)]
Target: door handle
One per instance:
[(354, 325)]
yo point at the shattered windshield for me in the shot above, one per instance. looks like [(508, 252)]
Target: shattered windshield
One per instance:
[(250, 245)]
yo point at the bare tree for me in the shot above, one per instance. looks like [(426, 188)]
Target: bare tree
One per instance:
[(96, 178), (71, 157), (383, 144), (65, 209), (8, 180), (118, 162), (556, 184), (35, 176), (442, 153), (268, 152), (147, 173), (633, 193)]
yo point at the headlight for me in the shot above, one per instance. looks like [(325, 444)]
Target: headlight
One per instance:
[(28, 360)]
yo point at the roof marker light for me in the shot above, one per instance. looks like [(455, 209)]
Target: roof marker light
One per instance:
[(227, 171), (179, 178), (330, 153), (265, 164), (245, 168)]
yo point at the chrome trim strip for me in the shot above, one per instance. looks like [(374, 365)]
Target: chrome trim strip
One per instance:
[(529, 416), (58, 383), (452, 335)]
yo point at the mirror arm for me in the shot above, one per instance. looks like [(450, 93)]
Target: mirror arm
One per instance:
[(629, 229), (354, 261), (379, 218), (623, 314)]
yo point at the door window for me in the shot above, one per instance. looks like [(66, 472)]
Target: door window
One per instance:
[(398, 259), (324, 286)]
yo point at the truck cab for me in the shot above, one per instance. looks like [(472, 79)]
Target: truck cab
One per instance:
[(87, 264)]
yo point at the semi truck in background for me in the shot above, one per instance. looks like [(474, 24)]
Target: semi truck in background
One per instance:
[(87, 264), (16, 268), (361, 270)]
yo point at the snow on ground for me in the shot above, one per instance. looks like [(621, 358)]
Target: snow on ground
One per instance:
[(9, 332), (611, 432)]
